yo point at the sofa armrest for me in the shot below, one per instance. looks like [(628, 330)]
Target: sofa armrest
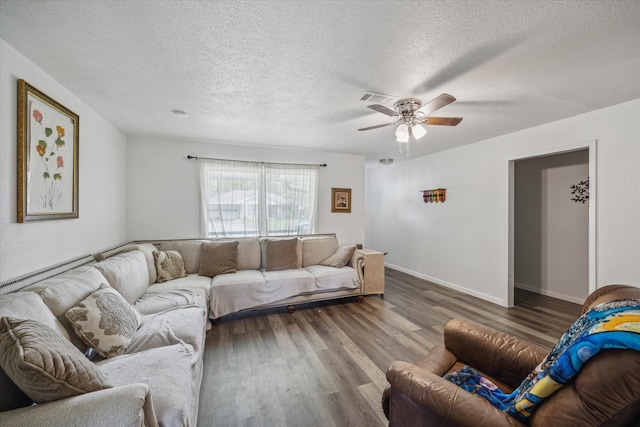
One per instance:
[(449, 404), (357, 262), (125, 406), (498, 354)]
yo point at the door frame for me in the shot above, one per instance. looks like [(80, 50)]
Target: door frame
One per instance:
[(591, 146)]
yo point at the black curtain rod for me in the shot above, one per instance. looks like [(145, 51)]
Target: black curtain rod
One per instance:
[(323, 165)]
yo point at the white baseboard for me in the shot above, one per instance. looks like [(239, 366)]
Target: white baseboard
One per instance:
[(449, 285), (549, 293)]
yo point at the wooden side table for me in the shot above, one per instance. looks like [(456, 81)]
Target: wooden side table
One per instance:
[(373, 271)]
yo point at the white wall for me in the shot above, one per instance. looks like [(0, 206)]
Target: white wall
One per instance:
[(552, 231), (163, 189), (25, 248), (463, 243)]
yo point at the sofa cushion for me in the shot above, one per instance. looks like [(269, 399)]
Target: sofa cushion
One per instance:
[(30, 305), (317, 248), (190, 251), (331, 278), (170, 265), (249, 253), (147, 249), (156, 302), (218, 258), (236, 291), (281, 254), (127, 273), (172, 375), (340, 258), (64, 291), (288, 283), (191, 281), (178, 324), (105, 321), (45, 365)]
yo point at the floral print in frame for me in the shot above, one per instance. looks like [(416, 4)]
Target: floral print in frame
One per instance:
[(47, 157)]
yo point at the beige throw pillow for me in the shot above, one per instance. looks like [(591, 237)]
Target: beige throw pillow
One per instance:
[(169, 265), (43, 364), (340, 258), (105, 321), (281, 254), (218, 258)]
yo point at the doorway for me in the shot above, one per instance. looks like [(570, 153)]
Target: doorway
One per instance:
[(552, 232)]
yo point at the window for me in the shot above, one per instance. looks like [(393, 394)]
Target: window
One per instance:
[(257, 199)]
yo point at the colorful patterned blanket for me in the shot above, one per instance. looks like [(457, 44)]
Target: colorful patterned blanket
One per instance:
[(610, 325)]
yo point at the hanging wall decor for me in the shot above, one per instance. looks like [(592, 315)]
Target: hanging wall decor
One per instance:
[(580, 191), (341, 200), (47, 157), (434, 196)]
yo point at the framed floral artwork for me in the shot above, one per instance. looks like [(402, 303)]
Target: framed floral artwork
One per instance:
[(47, 157), (341, 200)]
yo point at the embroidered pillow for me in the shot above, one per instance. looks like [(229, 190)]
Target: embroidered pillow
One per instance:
[(169, 265), (340, 258), (218, 258), (105, 321), (281, 254), (44, 364)]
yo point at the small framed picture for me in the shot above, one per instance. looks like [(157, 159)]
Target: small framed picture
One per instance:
[(341, 200), (47, 157)]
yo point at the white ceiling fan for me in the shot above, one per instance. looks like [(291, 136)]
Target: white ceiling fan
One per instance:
[(410, 115)]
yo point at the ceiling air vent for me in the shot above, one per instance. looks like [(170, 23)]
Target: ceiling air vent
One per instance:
[(377, 98)]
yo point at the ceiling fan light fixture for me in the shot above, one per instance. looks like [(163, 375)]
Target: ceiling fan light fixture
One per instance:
[(402, 132), (418, 131)]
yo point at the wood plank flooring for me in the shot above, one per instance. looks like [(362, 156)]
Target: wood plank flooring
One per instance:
[(325, 364)]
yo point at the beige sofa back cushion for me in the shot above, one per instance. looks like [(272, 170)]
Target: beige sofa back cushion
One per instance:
[(29, 305), (249, 255), (67, 289), (190, 251), (147, 249), (317, 249), (127, 273)]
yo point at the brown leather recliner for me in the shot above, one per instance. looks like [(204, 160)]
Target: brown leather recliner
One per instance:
[(606, 391)]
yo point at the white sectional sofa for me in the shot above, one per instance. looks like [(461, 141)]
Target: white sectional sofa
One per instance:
[(143, 308)]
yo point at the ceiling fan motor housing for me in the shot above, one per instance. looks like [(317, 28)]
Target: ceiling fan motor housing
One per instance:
[(407, 106)]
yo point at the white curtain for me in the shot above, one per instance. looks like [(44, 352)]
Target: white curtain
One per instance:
[(257, 199), (291, 193)]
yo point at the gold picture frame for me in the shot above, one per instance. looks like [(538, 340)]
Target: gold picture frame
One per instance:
[(48, 162), (341, 200)]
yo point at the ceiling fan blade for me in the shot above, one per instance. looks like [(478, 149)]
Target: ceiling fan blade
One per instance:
[(378, 126), (442, 121), (437, 103), (382, 109)]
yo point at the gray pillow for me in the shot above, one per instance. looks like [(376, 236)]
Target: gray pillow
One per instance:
[(43, 364), (218, 258), (340, 258)]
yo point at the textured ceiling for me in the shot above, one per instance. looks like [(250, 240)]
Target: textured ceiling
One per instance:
[(290, 73)]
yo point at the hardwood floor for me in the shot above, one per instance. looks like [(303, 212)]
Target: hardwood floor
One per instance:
[(325, 364)]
